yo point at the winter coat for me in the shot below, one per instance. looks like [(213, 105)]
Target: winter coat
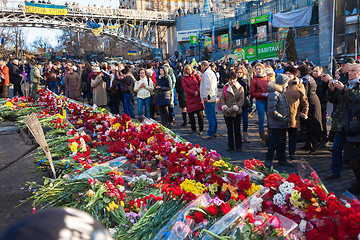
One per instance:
[(163, 94), (35, 75), (191, 84), (352, 116), (234, 99), (73, 84), (297, 102), (126, 83), (245, 83), (5, 71), (258, 86), (144, 92), (99, 90), (278, 110), (314, 122), (341, 100), (180, 91), (15, 74), (321, 88), (208, 86)]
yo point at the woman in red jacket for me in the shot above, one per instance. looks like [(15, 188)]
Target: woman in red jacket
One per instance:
[(258, 90), (191, 84)]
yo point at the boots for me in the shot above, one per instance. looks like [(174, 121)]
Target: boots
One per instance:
[(184, 124), (246, 137), (262, 136)]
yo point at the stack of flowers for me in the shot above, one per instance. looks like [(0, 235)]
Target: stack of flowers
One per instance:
[(199, 195)]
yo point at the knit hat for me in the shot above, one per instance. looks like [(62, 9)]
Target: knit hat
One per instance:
[(281, 79), (290, 69)]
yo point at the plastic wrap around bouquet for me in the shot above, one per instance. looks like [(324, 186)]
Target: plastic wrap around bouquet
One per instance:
[(307, 173), (178, 227), (177, 138), (99, 170), (240, 211)]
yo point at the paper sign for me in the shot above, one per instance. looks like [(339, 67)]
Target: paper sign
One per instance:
[(32, 122)]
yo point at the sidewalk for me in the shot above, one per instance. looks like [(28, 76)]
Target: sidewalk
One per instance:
[(320, 161)]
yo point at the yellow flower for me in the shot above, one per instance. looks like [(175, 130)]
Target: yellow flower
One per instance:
[(193, 186), (112, 206), (90, 193), (9, 104), (122, 204), (252, 189), (294, 200), (103, 109), (73, 147), (22, 104), (116, 126)]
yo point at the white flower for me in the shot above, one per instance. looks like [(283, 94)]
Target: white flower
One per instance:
[(302, 226), (286, 188), (122, 188), (255, 204), (279, 200)]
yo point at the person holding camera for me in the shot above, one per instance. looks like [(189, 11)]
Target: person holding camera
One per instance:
[(341, 96), (99, 88)]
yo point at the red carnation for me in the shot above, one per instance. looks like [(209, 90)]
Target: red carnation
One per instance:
[(212, 209), (199, 217), (306, 193), (225, 208)]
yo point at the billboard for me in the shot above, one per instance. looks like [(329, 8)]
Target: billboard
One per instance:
[(264, 51)]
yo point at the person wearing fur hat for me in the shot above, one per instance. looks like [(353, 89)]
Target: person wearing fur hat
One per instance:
[(231, 102), (298, 107), (279, 114)]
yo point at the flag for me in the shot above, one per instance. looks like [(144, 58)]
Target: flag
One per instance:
[(12, 46), (113, 27), (2, 41), (95, 28)]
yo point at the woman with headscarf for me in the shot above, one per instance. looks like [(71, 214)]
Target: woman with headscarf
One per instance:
[(313, 124), (163, 95), (191, 84), (258, 90), (298, 107), (99, 88), (72, 82)]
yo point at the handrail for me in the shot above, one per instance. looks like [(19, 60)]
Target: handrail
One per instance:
[(96, 11)]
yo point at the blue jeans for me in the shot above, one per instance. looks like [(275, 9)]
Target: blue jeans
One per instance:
[(245, 118), (336, 158), (141, 103), (211, 117), (128, 106), (261, 108), (53, 86)]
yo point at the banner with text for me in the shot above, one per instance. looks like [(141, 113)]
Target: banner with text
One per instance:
[(262, 33), (46, 9), (208, 43), (264, 51)]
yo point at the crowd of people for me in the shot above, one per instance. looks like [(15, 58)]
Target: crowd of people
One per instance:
[(289, 99)]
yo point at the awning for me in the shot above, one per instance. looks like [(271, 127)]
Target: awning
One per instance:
[(297, 18)]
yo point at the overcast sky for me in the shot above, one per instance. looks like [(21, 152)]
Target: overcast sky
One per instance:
[(33, 33)]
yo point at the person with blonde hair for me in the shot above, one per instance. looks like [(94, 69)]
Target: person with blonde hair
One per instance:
[(191, 84), (258, 90)]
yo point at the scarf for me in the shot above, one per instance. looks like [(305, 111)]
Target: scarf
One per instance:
[(353, 82)]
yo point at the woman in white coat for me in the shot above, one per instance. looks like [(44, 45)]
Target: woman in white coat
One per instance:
[(144, 88)]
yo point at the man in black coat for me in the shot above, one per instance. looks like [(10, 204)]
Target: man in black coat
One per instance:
[(16, 77), (345, 64)]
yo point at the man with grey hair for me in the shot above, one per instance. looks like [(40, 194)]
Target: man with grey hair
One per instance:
[(341, 96), (208, 94), (16, 77)]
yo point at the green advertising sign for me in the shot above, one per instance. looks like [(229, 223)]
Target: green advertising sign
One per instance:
[(194, 40), (262, 18), (267, 50)]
